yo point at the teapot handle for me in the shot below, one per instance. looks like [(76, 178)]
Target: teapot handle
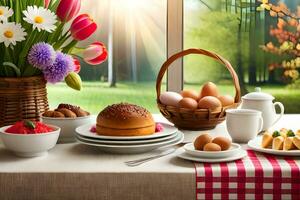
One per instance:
[(281, 111)]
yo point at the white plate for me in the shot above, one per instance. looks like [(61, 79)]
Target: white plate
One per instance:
[(178, 134), (85, 131), (240, 154), (112, 142), (132, 149), (189, 148), (255, 144)]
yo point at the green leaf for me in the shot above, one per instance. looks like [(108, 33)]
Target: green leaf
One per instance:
[(290, 133), (29, 124), (276, 134)]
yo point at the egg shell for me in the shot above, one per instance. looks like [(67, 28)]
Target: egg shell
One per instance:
[(223, 142), (209, 89), (209, 102), (201, 141), (190, 93), (211, 147), (188, 103), (226, 100), (170, 98)]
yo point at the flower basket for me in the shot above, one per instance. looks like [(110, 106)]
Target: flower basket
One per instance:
[(38, 46), (22, 98), (199, 119)]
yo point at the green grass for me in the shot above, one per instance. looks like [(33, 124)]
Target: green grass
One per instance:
[(95, 96)]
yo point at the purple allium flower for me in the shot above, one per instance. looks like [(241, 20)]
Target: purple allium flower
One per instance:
[(41, 55), (62, 65)]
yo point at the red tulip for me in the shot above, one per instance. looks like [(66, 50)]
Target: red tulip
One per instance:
[(82, 27), (95, 53), (68, 9), (76, 65), (46, 3)]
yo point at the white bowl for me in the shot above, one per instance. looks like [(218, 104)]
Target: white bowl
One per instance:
[(30, 145), (190, 149), (68, 126)]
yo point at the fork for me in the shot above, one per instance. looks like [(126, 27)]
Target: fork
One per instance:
[(133, 163)]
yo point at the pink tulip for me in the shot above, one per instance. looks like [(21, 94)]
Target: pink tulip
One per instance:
[(83, 27), (68, 9), (95, 53), (46, 3), (76, 65)]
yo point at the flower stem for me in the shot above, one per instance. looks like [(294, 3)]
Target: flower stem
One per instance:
[(70, 46), (59, 43), (14, 67)]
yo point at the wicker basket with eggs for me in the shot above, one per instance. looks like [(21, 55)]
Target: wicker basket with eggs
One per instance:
[(192, 110)]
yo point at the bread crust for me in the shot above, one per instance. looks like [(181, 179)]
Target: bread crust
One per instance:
[(149, 130)]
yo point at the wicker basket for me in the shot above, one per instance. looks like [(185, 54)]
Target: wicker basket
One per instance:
[(22, 98), (199, 119)]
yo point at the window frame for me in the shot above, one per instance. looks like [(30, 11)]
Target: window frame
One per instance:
[(175, 44)]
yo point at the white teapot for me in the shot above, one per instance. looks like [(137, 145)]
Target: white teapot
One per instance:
[(263, 102)]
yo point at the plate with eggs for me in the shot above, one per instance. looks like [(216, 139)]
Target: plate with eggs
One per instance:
[(284, 142), (208, 149)]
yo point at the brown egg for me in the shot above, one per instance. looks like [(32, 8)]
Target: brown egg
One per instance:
[(190, 93), (226, 100), (201, 141), (188, 103), (223, 142), (211, 147), (209, 102), (209, 89)]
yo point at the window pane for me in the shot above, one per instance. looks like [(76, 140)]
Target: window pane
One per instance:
[(138, 29), (238, 31)]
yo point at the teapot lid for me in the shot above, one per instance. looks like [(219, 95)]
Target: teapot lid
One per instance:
[(258, 95)]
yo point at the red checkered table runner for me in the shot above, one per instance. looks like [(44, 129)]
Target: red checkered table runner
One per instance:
[(257, 176)]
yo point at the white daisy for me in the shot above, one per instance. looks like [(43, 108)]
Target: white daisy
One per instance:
[(10, 33), (41, 18), (5, 12)]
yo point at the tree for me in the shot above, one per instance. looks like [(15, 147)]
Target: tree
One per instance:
[(287, 40), (241, 8)]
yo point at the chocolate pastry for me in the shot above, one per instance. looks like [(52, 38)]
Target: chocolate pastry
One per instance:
[(68, 106)]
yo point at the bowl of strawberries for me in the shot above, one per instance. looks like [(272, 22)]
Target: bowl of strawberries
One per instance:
[(29, 138)]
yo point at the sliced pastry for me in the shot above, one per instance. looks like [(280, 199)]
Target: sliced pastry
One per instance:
[(266, 140), (298, 132), (283, 132), (278, 143), (296, 141), (288, 143)]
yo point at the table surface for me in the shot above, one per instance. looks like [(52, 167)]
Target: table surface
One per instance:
[(74, 157), (77, 158)]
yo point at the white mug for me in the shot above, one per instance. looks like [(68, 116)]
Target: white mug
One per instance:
[(243, 124)]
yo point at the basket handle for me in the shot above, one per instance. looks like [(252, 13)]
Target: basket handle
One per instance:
[(215, 56)]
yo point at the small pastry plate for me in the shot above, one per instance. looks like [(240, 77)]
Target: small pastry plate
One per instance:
[(189, 148), (255, 144), (239, 155)]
